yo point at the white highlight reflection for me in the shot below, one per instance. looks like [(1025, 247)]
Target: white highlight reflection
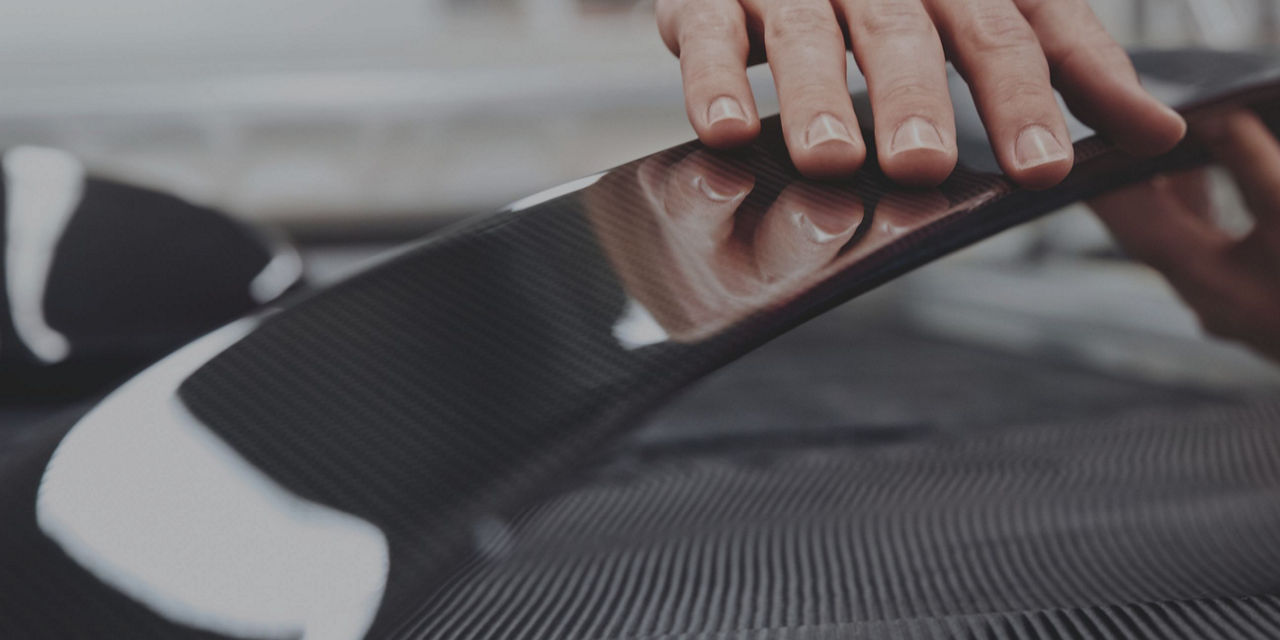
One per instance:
[(43, 187), (554, 192), (638, 328), (278, 275), (151, 502)]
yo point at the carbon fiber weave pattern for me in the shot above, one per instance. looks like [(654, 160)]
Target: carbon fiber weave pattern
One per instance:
[(1156, 524)]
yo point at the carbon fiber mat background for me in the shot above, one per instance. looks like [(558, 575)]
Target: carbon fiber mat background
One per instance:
[(1156, 524)]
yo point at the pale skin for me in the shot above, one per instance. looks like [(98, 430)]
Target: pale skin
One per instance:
[(1012, 53), (1232, 283)]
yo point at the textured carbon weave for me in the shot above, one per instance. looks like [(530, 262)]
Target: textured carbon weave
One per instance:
[(1157, 524), (449, 388)]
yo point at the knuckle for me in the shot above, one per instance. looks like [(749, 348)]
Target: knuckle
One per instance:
[(710, 24), (802, 23), (710, 74), (888, 19), (997, 32), (912, 95)]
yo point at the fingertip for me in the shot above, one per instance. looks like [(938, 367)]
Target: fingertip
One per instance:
[(827, 147), (1043, 176), (730, 134), (1135, 120), (1039, 158), (830, 160), (1157, 130), (922, 167), (916, 153), (728, 122), (1174, 127)]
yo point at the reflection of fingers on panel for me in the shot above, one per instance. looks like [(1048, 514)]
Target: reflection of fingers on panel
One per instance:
[(701, 193), (803, 231), (898, 213), (675, 273)]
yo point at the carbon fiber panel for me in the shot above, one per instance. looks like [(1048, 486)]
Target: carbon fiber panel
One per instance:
[(449, 388)]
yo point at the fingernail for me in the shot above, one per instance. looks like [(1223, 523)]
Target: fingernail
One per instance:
[(1036, 146), (916, 133), (826, 128), (725, 108)]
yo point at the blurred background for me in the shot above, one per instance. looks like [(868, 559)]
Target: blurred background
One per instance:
[(313, 111), (355, 125)]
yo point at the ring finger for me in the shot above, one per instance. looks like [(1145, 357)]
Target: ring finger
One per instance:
[(898, 50)]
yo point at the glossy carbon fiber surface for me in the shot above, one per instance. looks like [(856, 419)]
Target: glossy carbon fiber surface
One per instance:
[(97, 286), (415, 432)]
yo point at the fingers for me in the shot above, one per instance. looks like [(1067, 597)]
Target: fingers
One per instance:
[(899, 53), (1233, 295), (1191, 188), (806, 52), (710, 37), (1245, 146), (1151, 225), (1011, 52), (998, 54), (1097, 79)]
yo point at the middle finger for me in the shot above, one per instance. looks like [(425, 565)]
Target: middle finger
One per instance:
[(806, 51), (998, 54)]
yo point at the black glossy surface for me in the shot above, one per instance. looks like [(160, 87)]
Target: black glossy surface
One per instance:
[(133, 274), (442, 392)]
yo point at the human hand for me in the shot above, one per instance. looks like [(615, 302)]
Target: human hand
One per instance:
[(1011, 52), (1233, 284)]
